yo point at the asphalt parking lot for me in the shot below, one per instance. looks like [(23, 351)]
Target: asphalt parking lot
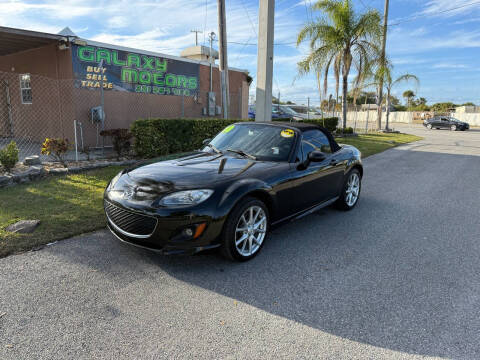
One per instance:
[(398, 277)]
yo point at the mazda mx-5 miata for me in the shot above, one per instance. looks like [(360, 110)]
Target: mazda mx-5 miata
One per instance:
[(250, 177)]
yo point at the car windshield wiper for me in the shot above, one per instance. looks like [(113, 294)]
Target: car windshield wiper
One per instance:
[(243, 153), (214, 148)]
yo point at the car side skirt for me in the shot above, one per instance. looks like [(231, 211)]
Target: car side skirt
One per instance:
[(306, 212)]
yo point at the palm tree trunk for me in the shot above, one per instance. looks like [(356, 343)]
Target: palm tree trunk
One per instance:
[(388, 110), (379, 108), (344, 101)]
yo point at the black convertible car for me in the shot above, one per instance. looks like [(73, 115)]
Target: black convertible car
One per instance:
[(445, 122), (250, 177)]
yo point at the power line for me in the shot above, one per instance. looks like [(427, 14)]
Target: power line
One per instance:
[(250, 44), (249, 19), (413, 18), (365, 6), (243, 47), (205, 22)]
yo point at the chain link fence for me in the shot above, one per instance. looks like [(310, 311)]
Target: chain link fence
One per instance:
[(34, 107)]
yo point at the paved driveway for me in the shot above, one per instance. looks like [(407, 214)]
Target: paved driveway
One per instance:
[(398, 277)]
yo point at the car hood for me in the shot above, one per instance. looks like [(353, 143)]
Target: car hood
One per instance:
[(200, 170)]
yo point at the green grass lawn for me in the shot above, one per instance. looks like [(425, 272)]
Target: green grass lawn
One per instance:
[(71, 205), (65, 205), (374, 143)]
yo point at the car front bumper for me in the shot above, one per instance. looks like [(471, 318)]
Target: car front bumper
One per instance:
[(167, 235)]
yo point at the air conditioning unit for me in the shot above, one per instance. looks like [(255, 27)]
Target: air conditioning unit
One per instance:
[(97, 115)]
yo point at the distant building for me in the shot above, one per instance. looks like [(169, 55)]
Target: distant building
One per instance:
[(419, 116), (467, 109)]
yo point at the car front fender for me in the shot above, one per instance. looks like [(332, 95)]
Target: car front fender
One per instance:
[(239, 189), (354, 163)]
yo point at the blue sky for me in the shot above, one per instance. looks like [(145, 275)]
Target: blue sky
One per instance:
[(441, 48)]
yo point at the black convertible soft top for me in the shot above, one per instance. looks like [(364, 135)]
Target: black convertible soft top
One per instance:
[(302, 127)]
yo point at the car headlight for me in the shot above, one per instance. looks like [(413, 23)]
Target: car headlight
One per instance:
[(188, 197)]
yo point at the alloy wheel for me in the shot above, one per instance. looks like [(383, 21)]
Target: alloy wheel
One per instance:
[(453, 128), (250, 230), (353, 189)]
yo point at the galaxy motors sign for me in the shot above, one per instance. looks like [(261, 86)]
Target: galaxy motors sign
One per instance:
[(133, 72)]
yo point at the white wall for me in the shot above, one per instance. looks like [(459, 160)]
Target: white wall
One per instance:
[(472, 119), (403, 117), (371, 116)]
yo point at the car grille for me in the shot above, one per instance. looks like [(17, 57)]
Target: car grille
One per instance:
[(131, 223)]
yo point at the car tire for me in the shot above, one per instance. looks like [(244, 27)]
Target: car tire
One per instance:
[(345, 202), (453, 127), (429, 126), (232, 245)]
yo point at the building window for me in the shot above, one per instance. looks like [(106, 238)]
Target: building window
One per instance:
[(26, 89)]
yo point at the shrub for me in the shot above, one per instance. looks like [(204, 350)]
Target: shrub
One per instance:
[(328, 123), (120, 139), (9, 156), (56, 148), (154, 137), (347, 130)]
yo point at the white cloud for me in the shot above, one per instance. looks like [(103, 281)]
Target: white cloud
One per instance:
[(450, 66), (442, 7)]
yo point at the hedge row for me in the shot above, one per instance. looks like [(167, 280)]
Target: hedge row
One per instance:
[(154, 137), (328, 123)]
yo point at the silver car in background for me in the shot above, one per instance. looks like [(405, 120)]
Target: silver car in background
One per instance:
[(301, 112)]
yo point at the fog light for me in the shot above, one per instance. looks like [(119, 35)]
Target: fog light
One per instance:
[(188, 232)]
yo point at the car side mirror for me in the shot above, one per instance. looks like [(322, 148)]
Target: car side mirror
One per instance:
[(316, 156), (206, 141)]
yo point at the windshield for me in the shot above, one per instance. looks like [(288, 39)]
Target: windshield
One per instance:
[(300, 109), (288, 110), (265, 142)]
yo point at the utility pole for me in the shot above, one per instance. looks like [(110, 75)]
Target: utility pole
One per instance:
[(382, 63), (266, 17), (223, 59), (196, 35)]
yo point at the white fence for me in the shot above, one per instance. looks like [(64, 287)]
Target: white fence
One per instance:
[(472, 119), (362, 117)]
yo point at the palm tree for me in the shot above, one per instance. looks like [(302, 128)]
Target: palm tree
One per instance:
[(389, 84), (385, 73), (408, 95), (339, 39)]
